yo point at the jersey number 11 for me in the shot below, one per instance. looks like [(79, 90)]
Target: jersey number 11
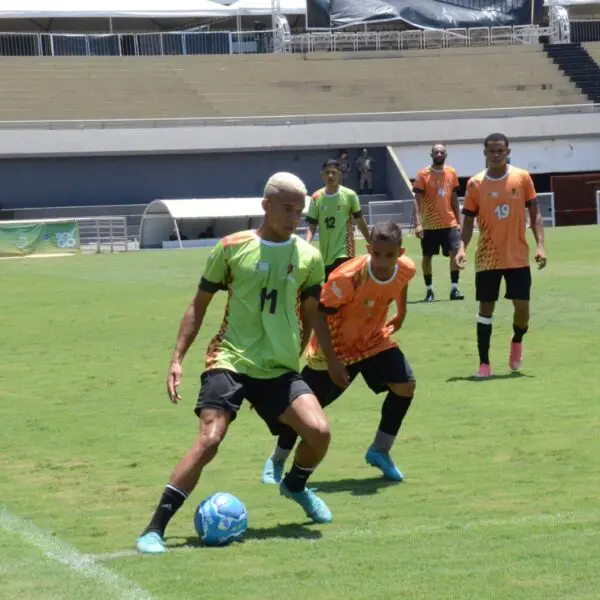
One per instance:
[(272, 296)]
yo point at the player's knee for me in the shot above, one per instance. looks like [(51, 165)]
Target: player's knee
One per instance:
[(319, 433), (405, 390)]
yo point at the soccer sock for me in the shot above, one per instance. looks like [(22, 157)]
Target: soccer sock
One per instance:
[(518, 334), (296, 479), (428, 280), (169, 504), (484, 335), (280, 454), (393, 411), (454, 275)]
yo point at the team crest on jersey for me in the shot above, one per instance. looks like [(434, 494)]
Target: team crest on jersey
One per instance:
[(493, 195), (289, 273), (370, 303), (516, 192), (262, 267)]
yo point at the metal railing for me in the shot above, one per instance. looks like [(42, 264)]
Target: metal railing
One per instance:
[(131, 212), (584, 30), (402, 211), (183, 43), (103, 234), (172, 43)]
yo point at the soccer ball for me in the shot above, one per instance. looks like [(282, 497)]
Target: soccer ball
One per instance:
[(220, 519)]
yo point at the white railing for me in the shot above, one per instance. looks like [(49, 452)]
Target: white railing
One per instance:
[(131, 212), (417, 39), (402, 211), (182, 43), (103, 234), (178, 43), (598, 207)]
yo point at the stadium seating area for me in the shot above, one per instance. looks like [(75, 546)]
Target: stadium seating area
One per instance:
[(247, 85), (593, 49)]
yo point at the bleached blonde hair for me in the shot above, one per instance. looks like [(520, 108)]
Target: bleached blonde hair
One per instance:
[(284, 182)]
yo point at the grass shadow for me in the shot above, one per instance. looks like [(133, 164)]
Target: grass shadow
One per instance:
[(356, 487), (281, 531), (474, 379)]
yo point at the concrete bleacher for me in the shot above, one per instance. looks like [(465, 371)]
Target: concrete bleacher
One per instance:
[(593, 49), (44, 88)]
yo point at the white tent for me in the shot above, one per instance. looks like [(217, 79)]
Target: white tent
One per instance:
[(263, 7), (146, 9), (166, 223)]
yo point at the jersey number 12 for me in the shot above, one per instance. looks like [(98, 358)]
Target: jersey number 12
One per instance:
[(330, 222), (272, 296)]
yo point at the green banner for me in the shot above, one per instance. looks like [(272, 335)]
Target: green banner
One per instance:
[(22, 239)]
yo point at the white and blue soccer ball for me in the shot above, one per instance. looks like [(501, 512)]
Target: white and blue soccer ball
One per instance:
[(220, 519)]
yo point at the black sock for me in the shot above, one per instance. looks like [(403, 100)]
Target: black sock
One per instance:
[(484, 335), (393, 411), (454, 275), (287, 438), (519, 332), (169, 504), (428, 279), (296, 479)]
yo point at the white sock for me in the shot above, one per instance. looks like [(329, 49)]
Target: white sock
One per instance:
[(430, 288), (280, 454), (384, 441), (454, 286)]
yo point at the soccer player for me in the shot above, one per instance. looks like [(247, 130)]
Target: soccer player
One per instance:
[(354, 336), (332, 210), (499, 197), (255, 355), (437, 217)]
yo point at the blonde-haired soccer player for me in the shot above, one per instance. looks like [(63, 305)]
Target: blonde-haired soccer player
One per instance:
[(255, 355)]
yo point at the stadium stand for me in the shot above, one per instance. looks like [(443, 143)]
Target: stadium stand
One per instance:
[(34, 88), (593, 49)]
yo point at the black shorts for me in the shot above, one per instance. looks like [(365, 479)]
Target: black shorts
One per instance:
[(434, 239), (334, 265), (226, 390), (389, 366), (518, 284)]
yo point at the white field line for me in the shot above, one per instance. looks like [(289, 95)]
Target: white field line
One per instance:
[(114, 585), (449, 526)]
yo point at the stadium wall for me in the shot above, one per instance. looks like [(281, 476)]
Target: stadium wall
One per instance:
[(559, 155), (66, 139), (80, 181)]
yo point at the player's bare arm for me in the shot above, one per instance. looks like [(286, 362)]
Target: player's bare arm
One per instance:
[(456, 209), (311, 232), (308, 315), (537, 227), (336, 368), (188, 330), (363, 228), (397, 321), (465, 237), (418, 211)]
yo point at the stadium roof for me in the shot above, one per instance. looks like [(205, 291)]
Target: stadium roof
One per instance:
[(160, 216), (150, 9)]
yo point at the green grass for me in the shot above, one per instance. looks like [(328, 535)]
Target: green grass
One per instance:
[(501, 492)]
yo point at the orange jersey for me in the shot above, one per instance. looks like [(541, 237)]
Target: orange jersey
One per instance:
[(357, 305), (500, 207), (437, 187)]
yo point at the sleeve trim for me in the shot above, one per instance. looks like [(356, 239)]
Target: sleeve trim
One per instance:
[(328, 310), (314, 291), (469, 213), (358, 214), (531, 202), (312, 221), (210, 286)]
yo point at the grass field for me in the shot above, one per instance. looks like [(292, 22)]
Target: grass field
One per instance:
[(502, 476)]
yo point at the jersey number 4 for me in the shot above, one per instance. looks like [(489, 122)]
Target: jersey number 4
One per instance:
[(330, 222), (272, 297)]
